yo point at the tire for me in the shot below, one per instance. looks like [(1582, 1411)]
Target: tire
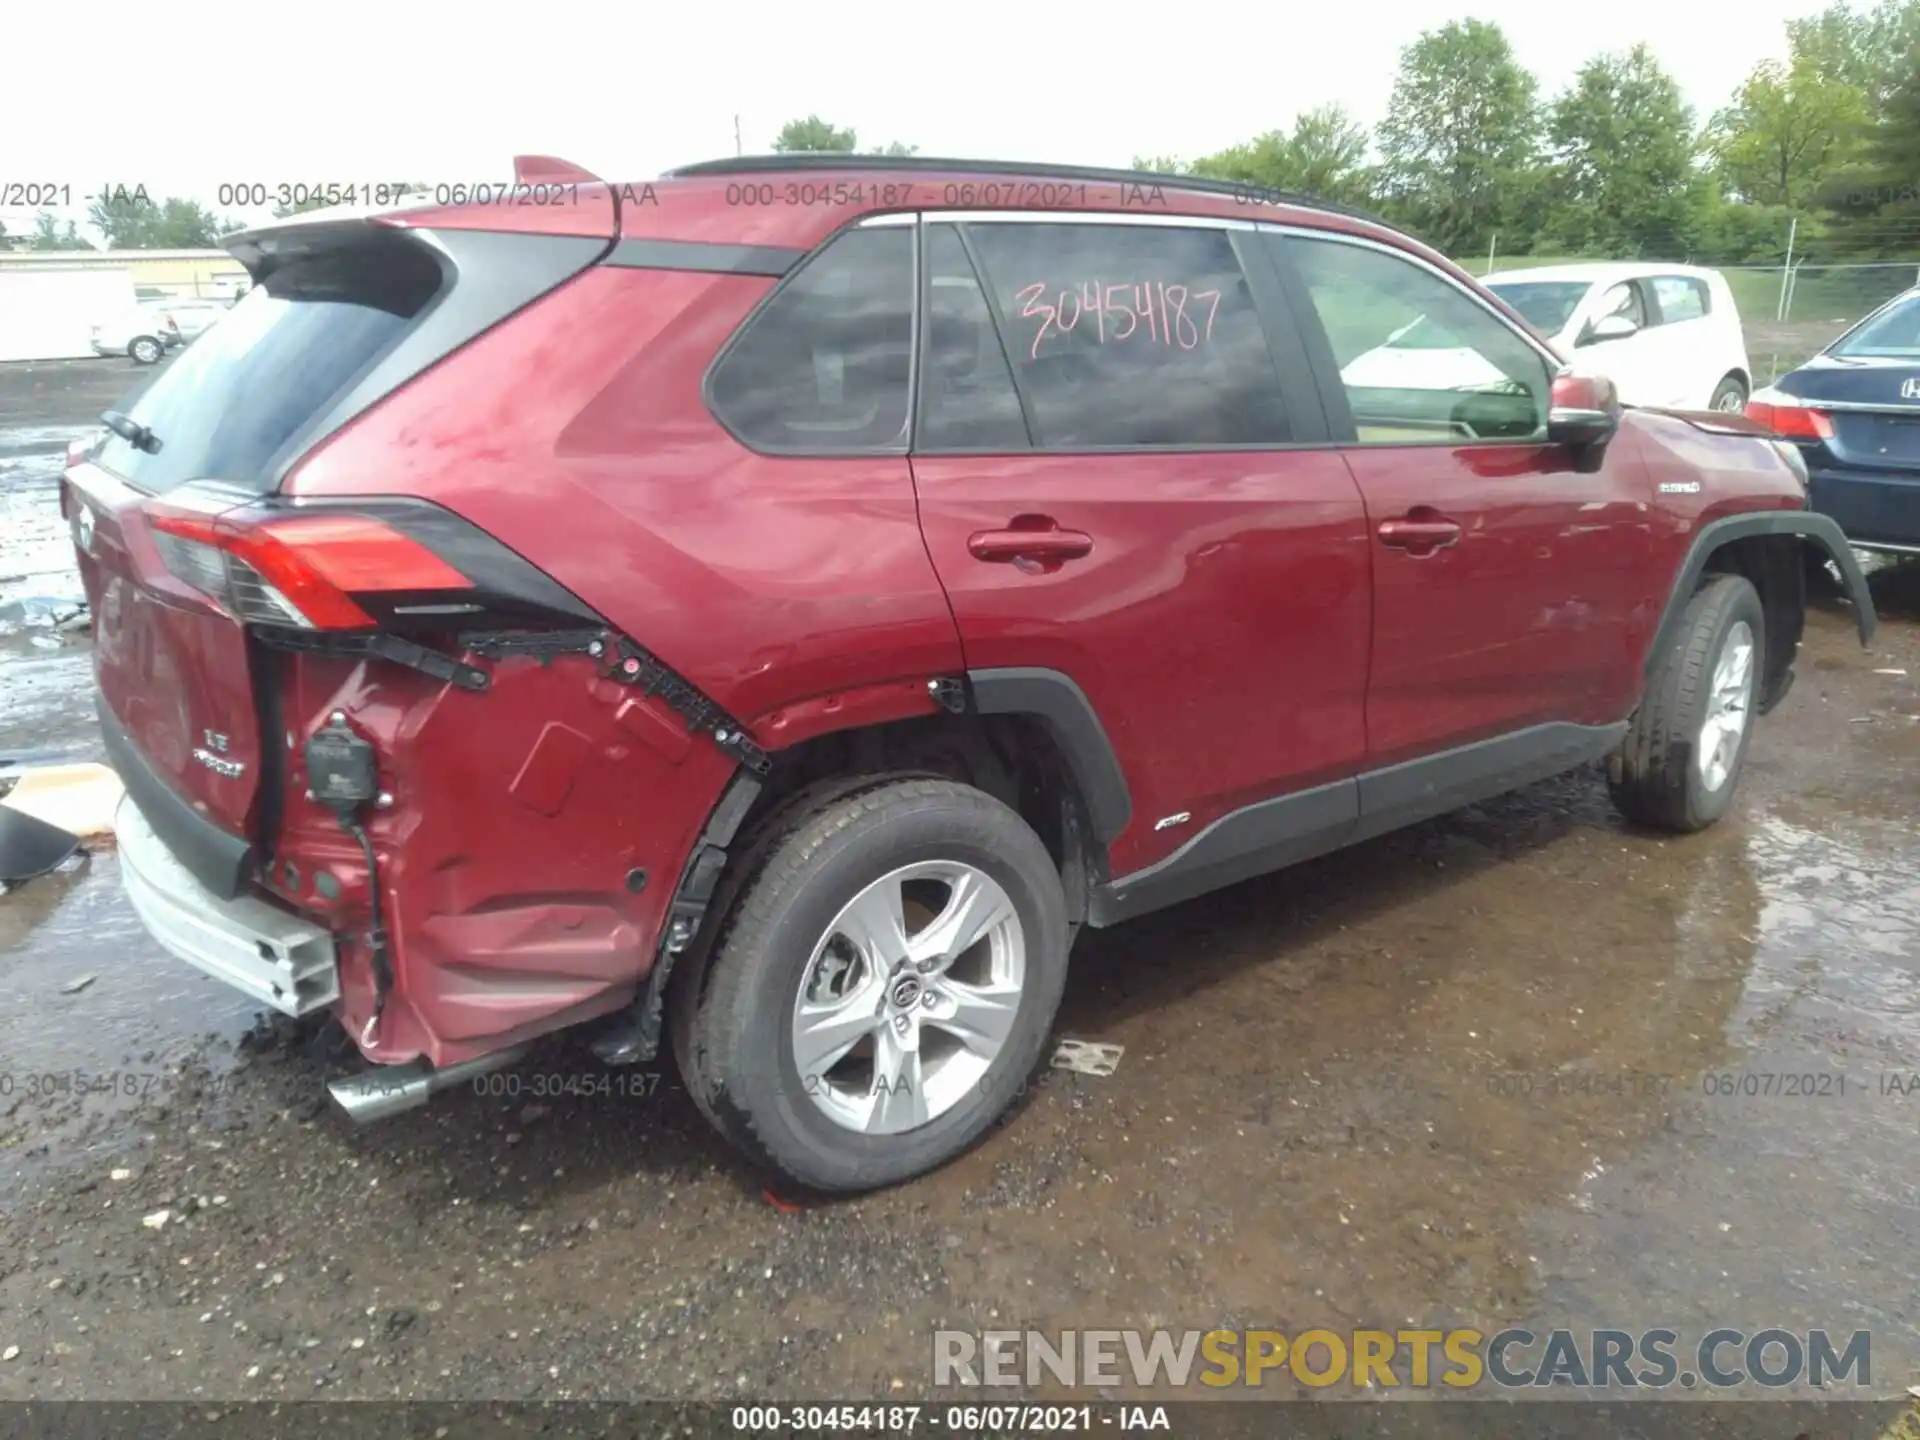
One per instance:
[(146, 350), (1679, 766), (887, 1109), (1730, 395)]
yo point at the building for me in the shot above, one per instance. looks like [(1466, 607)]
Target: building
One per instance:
[(157, 274)]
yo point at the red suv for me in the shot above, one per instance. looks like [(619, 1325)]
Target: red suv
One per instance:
[(783, 602)]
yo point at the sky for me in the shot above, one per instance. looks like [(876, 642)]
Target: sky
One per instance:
[(184, 99)]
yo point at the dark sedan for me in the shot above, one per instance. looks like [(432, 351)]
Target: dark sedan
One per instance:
[(1854, 411)]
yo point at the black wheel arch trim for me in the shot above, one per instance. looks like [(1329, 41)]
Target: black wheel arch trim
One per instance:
[(1058, 703), (1812, 528)]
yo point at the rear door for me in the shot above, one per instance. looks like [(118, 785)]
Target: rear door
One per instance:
[(1688, 346), (1122, 477), (1505, 583)]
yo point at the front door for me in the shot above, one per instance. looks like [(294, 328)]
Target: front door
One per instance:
[(1123, 479), (1505, 583)]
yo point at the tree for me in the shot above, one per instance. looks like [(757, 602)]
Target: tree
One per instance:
[(1623, 178), (1459, 148), (1868, 50), (47, 234), (134, 222), (1324, 155), (1792, 125), (1878, 200), (815, 134)]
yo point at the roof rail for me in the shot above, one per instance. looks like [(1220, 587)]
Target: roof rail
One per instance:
[(848, 160)]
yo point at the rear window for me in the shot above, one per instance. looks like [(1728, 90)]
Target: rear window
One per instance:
[(228, 407), (1892, 334)]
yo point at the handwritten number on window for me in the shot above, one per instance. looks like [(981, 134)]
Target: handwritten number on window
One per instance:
[(1153, 309)]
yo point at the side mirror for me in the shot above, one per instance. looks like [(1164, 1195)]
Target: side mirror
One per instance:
[(1583, 415), (1609, 327)]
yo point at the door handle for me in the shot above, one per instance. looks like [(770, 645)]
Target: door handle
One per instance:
[(1045, 545), (1419, 533)]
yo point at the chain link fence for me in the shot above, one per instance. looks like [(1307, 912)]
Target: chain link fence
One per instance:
[(1791, 313)]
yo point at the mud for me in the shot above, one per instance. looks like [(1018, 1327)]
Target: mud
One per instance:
[(1492, 1070)]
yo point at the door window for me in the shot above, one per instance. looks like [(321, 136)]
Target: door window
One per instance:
[(824, 368), (1626, 300), (1130, 336), (1420, 359), (1680, 297), (968, 400)]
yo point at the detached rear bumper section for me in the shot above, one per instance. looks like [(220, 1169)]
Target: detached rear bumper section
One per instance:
[(275, 957), (282, 961)]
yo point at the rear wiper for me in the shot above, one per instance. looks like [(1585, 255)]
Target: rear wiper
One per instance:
[(131, 431)]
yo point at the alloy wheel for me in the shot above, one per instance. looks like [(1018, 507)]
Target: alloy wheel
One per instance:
[(909, 997), (1729, 704)]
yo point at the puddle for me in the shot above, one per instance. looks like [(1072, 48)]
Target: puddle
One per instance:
[(1780, 1190), (69, 1063)]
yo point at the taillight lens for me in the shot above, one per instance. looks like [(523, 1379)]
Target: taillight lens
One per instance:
[(298, 570), (1789, 416)]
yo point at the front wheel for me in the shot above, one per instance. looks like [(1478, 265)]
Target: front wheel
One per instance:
[(882, 987), (1680, 763)]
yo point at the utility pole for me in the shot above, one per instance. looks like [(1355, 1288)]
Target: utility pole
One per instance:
[(1491, 245), (1787, 274), (736, 136)]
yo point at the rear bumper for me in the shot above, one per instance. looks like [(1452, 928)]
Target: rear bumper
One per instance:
[(220, 861), (279, 959), (1873, 508)]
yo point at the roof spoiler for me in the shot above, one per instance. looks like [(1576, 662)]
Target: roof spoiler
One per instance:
[(262, 248), (550, 170)]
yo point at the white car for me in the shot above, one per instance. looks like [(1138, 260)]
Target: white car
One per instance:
[(1666, 335), (144, 332), (191, 318)]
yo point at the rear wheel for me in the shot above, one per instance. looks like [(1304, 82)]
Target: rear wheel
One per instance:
[(881, 988), (1729, 395), (1680, 763), (145, 350)]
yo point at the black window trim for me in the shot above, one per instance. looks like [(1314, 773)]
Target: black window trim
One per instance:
[(1333, 390), (991, 299), (881, 221), (1293, 375)]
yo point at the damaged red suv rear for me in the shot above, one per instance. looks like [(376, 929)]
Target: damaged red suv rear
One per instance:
[(781, 603)]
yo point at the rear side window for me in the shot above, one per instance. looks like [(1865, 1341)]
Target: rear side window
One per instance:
[(1680, 297), (276, 362), (1131, 335), (824, 367)]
